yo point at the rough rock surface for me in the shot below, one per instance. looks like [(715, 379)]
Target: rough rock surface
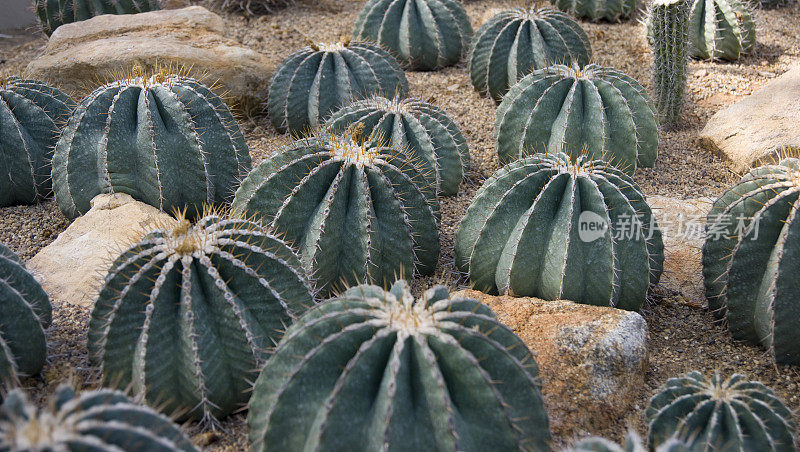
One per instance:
[(757, 128), (72, 268), (192, 37), (592, 359)]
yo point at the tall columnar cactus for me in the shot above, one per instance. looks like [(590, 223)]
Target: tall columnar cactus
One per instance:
[(319, 79), (188, 315), (54, 13), (165, 139), (101, 420), (379, 370), (423, 34), (750, 262), (667, 23), (610, 10), (593, 111), (423, 129), (548, 228), (358, 212), (734, 415), (24, 313), (31, 116), (515, 42), (720, 29)]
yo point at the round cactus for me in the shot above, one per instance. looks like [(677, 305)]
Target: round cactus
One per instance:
[(24, 313), (379, 370), (54, 13), (102, 420), (613, 11), (633, 443), (188, 315), (734, 415), (319, 79), (423, 34), (515, 42), (749, 263), (720, 29), (166, 140), (358, 212), (31, 116), (548, 228), (423, 129)]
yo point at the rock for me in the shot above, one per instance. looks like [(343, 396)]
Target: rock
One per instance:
[(592, 359), (756, 129), (72, 268), (191, 37)]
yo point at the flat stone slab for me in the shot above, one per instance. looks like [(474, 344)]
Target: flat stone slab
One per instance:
[(756, 129)]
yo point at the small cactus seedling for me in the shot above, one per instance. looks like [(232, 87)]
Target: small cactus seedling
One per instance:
[(101, 420), (378, 370), (595, 110), (515, 42), (319, 79), (423, 34), (549, 228), (54, 13), (357, 211), (31, 116), (595, 10), (423, 129), (188, 315), (163, 138), (720, 29), (667, 21), (714, 414)]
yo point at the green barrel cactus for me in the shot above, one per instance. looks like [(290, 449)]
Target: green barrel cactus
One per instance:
[(720, 29), (31, 116), (54, 13), (714, 414), (593, 111), (165, 139), (596, 10), (515, 42), (633, 443), (188, 315), (378, 370), (319, 79), (357, 211), (101, 420), (423, 34), (24, 313), (667, 23), (549, 228), (423, 129), (749, 260)]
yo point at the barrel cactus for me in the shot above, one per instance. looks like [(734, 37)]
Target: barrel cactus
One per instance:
[(633, 443), (54, 13), (425, 130), (596, 111), (515, 42), (716, 414), (101, 420), (667, 23), (378, 370), (720, 29), (749, 263), (165, 139), (357, 211), (188, 315), (549, 228), (24, 313), (319, 79), (609, 10), (31, 116), (423, 34)]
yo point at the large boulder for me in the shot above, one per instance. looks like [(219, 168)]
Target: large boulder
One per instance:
[(592, 359), (72, 268), (759, 127), (191, 37)]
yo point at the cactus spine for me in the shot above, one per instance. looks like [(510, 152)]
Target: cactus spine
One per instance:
[(668, 24), (54, 13)]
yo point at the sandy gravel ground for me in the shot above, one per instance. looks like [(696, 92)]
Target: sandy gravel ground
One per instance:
[(682, 338)]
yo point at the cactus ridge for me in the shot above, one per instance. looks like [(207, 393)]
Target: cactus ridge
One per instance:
[(54, 13), (597, 10), (720, 29), (319, 79), (424, 130), (376, 369), (667, 24), (515, 42)]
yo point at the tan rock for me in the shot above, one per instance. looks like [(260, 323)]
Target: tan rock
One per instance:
[(88, 51), (592, 359), (759, 127), (72, 268)]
